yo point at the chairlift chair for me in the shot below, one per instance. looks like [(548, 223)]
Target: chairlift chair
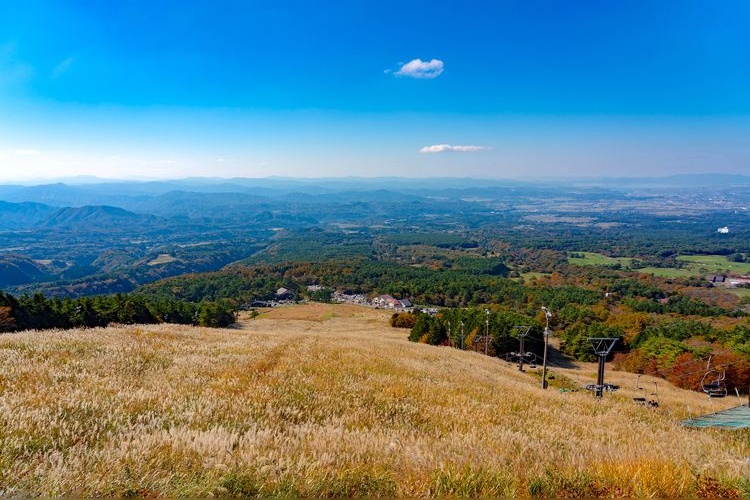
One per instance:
[(641, 400), (533, 363), (532, 359), (713, 382)]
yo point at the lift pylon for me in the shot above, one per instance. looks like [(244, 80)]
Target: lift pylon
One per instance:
[(602, 347)]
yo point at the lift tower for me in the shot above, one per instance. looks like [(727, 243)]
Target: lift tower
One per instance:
[(602, 347)]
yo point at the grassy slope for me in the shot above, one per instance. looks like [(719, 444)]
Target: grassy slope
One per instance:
[(328, 400), (696, 265), (715, 263), (597, 259), (669, 272)]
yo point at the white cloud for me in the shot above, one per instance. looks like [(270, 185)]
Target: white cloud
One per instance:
[(447, 148), (417, 68), (26, 152)]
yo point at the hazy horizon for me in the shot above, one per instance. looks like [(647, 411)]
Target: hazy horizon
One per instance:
[(496, 90), (383, 182)]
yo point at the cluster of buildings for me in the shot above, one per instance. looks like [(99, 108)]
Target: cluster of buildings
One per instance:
[(380, 302), (282, 296), (729, 281), (285, 296)]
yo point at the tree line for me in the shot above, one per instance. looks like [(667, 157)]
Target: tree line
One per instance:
[(467, 329), (37, 312)]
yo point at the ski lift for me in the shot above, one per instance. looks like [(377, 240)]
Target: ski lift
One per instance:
[(641, 400), (514, 357), (654, 403), (602, 387), (532, 361), (713, 383)]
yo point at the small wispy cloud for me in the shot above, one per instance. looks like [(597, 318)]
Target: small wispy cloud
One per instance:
[(26, 152), (447, 148), (63, 67), (417, 68)]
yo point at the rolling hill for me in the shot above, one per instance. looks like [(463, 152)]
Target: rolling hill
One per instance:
[(324, 400), (91, 216), (15, 216), (17, 269)]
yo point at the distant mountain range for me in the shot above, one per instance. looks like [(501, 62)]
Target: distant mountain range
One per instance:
[(93, 204), (173, 197)]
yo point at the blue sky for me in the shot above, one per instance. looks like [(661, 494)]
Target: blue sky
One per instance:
[(497, 89)]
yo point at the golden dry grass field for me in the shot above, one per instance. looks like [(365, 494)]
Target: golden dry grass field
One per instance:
[(325, 400)]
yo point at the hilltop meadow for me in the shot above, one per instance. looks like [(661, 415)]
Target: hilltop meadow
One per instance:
[(325, 400)]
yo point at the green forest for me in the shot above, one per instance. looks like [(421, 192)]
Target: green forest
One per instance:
[(37, 312)]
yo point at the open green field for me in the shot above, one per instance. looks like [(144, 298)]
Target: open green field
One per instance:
[(326, 400), (597, 259), (669, 272), (695, 265), (526, 277), (714, 264)]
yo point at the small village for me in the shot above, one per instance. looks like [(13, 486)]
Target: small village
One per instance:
[(285, 296)]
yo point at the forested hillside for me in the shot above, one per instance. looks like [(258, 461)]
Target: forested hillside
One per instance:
[(40, 313), (651, 264)]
